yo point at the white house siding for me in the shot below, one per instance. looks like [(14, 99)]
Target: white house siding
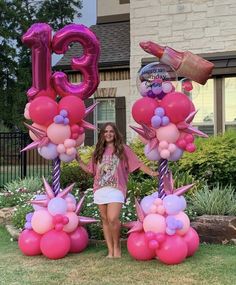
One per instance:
[(200, 26)]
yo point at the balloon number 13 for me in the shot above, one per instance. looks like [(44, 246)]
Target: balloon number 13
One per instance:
[(44, 83)]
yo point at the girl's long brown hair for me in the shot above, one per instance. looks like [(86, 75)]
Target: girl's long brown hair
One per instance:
[(101, 144)]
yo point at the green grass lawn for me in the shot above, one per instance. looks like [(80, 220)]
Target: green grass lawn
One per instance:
[(211, 265)]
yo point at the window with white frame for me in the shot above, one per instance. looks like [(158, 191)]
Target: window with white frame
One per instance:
[(105, 112), (230, 102)]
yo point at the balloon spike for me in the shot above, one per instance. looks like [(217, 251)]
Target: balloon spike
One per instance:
[(87, 125), (86, 220), (139, 211), (79, 206), (42, 203), (66, 191), (32, 145), (90, 109), (48, 189)]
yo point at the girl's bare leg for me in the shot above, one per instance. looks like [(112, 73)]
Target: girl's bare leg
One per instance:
[(106, 229), (113, 213)]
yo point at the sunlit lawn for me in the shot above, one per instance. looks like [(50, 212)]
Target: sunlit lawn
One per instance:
[(211, 265)]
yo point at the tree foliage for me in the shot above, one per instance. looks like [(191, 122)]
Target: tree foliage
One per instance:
[(16, 16)]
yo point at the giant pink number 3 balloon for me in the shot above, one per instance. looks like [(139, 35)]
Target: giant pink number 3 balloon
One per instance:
[(38, 38)]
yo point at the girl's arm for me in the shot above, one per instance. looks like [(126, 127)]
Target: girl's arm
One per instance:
[(148, 170), (82, 164)]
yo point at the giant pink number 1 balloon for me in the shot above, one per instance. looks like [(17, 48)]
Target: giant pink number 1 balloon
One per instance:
[(38, 38)]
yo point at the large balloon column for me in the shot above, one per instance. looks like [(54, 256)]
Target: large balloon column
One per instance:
[(164, 115), (57, 111)]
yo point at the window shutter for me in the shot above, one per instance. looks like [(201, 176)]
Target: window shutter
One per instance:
[(121, 115), (89, 134)]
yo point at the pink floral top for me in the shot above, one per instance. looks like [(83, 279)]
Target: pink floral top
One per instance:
[(112, 171)]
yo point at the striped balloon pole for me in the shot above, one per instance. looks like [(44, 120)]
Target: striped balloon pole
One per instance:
[(56, 175), (162, 169)]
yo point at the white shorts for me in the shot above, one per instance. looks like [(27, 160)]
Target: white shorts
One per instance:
[(108, 195)]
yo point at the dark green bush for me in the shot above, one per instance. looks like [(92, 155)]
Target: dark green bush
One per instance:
[(71, 173), (214, 160)]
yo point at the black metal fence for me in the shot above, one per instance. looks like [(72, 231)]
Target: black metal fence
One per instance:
[(15, 164)]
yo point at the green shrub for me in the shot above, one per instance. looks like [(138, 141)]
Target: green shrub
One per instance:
[(18, 218), (18, 192), (216, 201), (71, 172), (214, 160)]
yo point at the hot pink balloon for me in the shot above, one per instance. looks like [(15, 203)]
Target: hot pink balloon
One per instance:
[(138, 248), (29, 242), (192, 240), (42, 110), (143, 110), (177, 106), (55, 244), (169, 133), (38, 38), (75, 108), (79, 240), (173, 250), (86, 64)]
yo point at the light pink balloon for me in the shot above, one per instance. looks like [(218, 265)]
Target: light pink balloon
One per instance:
[(42, 221), (169, 133), (186, 223), (73, 222), (165, 153), (61, 148), (58, 133), (163, 144), (172, 147), (71, 151), (69, 143), (154, 223)]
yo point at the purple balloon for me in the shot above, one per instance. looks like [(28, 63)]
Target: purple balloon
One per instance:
[(159, 112), (48, 151), (171, 222), (161, 95), (63, 113), (39, 197), (66, 121), (146, 203), (176, 155), (143, 88), (170, 232), (56, 206), (156, 121), (156, 88), (28, 226), (151, 94), (58, 119), (29, 216), (165, 121), (153, 154), (173, 204)]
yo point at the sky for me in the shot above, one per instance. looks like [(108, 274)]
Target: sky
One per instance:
[(88, 18)]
